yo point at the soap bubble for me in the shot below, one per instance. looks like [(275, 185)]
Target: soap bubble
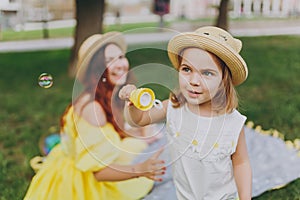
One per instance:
[(45, 80)]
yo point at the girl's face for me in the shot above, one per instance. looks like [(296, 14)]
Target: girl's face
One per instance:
[(116, 63), (199, 77)]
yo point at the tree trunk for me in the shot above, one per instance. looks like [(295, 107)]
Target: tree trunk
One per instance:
[(222, 20), (89, 19)]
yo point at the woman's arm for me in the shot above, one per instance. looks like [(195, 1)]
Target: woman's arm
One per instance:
[(151, 168), (242, 169)]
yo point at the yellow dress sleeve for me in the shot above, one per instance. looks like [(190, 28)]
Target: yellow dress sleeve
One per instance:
[(96, 147)]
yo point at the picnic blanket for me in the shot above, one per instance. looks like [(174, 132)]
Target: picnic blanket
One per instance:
[(274, 163)]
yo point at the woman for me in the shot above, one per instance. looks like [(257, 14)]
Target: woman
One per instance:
[(93, 161)]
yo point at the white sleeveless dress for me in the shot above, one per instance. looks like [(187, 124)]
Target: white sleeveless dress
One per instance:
[(201, 149)]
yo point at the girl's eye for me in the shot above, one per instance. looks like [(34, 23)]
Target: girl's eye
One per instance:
[(185, 69), (207, 73)]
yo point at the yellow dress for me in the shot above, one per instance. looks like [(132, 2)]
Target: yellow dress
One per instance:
[(67, 172)]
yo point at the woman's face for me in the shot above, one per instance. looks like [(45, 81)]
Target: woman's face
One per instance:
[(116, 63), (199, 76)]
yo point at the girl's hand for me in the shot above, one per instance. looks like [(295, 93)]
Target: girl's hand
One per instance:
[(152, 168), (125, 92)]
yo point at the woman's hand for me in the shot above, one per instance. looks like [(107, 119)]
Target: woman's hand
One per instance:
[(125, 92), (152, 168)]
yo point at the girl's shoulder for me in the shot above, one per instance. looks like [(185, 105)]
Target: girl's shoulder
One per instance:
[(236, 114)]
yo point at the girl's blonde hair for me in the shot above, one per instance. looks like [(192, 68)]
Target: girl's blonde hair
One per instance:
[(225, 99)]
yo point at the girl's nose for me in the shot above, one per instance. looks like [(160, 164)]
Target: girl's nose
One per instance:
[(195, 80)]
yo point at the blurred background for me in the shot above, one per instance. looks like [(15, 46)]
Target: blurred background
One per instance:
[(25, 15)]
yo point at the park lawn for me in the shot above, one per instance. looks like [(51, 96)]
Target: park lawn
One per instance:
[(270, 98)]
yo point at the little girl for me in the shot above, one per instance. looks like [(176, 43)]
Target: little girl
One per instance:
[(205, 131)]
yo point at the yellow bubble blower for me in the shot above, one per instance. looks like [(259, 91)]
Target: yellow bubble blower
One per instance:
[(144, 99)]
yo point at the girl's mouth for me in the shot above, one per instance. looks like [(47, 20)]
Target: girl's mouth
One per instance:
[(193, 93)]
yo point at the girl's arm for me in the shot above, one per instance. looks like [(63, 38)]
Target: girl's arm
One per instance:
[(242, 169), (136, 117), (151, 168)]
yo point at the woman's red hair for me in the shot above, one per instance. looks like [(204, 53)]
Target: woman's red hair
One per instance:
[(97, 84)]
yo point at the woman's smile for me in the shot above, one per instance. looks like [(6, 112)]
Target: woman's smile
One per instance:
[(118, 65)]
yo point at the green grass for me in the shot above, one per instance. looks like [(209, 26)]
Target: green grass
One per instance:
[(28, 111), (271, 94), (270, 97), (10, 35)]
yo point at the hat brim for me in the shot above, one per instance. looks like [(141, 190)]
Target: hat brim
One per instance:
[(233, 60), (107, 38)]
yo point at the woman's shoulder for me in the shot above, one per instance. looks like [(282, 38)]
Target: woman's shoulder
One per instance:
[(90, 110)]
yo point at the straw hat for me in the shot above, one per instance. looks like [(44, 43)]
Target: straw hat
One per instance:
[(92, 44), (216, 41)]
